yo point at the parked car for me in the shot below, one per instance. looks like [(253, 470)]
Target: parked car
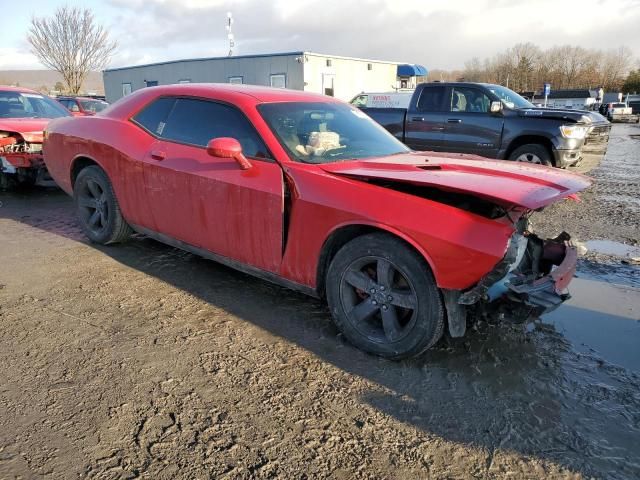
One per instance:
[(24, 115), (82, 106), (491, 121), (308, 192), (621, 112)]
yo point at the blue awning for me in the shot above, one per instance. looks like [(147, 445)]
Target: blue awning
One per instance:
[(409, 70)]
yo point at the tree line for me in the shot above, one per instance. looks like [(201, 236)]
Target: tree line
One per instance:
[(526, 67)]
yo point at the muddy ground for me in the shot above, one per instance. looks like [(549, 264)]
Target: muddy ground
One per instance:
[(142, 361)]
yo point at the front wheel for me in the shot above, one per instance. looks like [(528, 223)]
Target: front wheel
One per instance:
[(97, 207), (532, 153), (383, 297)]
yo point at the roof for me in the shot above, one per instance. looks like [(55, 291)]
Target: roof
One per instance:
[(411, 70), (7, 88), (260, 55), (578, 93)]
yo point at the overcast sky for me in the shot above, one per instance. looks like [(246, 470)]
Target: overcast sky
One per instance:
[(434, 33)]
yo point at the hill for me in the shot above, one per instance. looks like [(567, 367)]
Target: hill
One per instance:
[(45, 80)]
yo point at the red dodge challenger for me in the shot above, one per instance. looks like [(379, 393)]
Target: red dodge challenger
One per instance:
[(308, 192)]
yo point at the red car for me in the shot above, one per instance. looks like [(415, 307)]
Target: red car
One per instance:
[(308, 192), (82, 106), (23, 116)]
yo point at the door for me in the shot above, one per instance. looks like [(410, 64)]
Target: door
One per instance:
[(424, 126), (328, 80), (470, 127), (210, 202)]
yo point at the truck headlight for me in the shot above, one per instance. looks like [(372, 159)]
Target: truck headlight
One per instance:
[(573, 131)]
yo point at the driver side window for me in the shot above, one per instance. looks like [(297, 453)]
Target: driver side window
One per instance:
[(469, 100)]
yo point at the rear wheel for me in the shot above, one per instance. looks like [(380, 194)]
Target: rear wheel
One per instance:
[(97, 207), (383, 297), (532, 153)]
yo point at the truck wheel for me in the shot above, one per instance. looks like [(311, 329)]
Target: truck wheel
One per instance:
[(383, 297), (532, 153), (97, 207)]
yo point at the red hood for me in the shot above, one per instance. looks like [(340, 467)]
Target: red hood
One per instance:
[(30, 128), (504, 182)]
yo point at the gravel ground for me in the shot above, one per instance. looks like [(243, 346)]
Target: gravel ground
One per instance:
[(142, 361)]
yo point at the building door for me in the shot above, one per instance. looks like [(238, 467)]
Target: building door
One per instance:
[(328, 80)]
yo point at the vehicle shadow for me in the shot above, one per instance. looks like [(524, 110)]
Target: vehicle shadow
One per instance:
[(502, 388)]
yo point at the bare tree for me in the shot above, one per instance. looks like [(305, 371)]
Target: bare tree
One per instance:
[(71, 43)]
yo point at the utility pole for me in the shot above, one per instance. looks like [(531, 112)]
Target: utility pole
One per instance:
[(230, 33)]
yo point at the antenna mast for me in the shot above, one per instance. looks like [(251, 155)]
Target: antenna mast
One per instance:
[(230, 33)]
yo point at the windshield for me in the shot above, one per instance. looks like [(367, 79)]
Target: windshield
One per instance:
[(510, 98), (327, 132), (29, 105), (93, 105)]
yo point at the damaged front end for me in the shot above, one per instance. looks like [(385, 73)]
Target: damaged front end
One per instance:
[(21, 160), (531, 279)]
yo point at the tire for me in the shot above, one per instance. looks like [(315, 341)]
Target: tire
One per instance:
[(532, 153), (97, 207), (399, 317)]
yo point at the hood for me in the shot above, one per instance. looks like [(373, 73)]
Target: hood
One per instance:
[(30, 128), (503, 182), (571, 116)]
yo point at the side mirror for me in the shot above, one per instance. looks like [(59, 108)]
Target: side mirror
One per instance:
[(496, 107), (227, 147)]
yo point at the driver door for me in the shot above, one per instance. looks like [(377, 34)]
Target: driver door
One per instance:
[(210, 202)]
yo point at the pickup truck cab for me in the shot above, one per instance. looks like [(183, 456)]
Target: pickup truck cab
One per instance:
[(488, 120)]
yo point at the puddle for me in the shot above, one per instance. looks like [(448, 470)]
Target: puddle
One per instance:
[(609, 247), (601, 318)]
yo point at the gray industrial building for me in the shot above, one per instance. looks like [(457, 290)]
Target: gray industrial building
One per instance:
[(342, 77)]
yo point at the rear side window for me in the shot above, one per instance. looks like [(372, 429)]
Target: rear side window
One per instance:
[(153, 117), (195, 122), (432, 99)]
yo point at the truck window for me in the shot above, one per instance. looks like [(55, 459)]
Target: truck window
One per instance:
[(432, 99), (465, 99)]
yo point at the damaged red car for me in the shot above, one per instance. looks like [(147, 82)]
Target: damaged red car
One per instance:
[(308, 192), (24, 115)]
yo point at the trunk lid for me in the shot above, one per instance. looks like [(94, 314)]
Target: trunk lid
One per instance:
[(504, 182)]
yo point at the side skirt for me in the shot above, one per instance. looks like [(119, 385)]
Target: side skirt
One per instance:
[(242, 267)]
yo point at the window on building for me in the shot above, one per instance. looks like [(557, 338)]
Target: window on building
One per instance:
[(369, 66), (151, 83), (196, 122), (328, 62), (236, 80), (279, 80), (185, 80), (126, 89), (432, 99), (153, 117)]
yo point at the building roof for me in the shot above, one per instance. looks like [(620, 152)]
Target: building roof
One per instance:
[(577, 93), (260, 55)]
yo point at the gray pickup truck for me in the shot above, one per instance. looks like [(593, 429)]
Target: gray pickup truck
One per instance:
[(492, 121)]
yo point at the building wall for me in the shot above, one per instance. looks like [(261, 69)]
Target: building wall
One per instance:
[(255, 70), (571, 103), (350, 75)]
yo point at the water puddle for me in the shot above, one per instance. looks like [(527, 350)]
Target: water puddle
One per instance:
[(608, 247), (601, 319)]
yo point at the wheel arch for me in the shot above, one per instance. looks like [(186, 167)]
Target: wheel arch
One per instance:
[(535, 139), (344, 233), (79, 163)]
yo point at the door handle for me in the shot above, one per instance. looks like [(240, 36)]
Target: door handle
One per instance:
[(454, 120), (417, 119), (437, 129), (158, 155)]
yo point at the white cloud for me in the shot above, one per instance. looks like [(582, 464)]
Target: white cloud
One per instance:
[(18, 59)]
